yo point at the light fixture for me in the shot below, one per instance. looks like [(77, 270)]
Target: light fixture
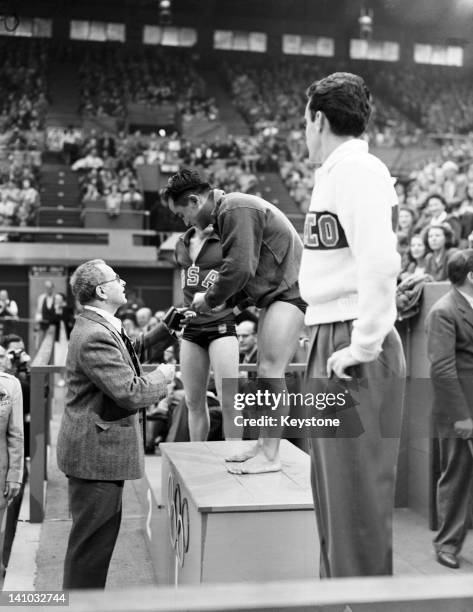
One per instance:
[(164, 12), (365, 21)]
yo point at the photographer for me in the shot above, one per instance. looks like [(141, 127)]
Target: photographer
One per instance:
[(8, 307), (20, 368)]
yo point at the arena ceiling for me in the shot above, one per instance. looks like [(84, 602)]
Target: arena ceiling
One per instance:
[(452, 16)]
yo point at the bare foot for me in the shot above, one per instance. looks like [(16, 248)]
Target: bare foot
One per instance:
[(256, 465), (245, 455)]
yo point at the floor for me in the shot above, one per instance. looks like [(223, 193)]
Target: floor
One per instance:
[(131, 564)]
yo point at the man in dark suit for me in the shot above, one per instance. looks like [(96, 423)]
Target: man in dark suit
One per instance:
[(45, 313), (450, 350), (100, 442)]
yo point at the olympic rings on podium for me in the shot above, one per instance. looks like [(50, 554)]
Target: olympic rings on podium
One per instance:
[(179, 523)]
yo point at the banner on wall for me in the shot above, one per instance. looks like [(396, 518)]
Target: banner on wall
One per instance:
[(47, 271)]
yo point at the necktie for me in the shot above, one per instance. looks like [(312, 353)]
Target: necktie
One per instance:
[(136, 364), (131, 350)]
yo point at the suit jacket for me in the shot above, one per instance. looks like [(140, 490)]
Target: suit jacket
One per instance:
[(450, 350), (438, 270), (466, 222), (100, 437), (11, 432)]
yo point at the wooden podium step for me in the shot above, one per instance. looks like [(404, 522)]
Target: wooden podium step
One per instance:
[(214, 526)]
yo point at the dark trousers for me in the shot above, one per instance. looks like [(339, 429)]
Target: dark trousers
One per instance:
[(354, 465), (96, 508), (454, 490)]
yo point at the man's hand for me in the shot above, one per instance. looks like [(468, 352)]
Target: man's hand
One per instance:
[(339, 361), (11, 490), (199, 304), (169, 371), (188, 316), (464, 428)]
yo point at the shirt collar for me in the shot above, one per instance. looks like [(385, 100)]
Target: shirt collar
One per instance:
[(439, 219), (354, 145), (115, 321), (186, 238), (467, 297)]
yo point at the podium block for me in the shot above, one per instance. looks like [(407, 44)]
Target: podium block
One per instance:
[(226, 528)]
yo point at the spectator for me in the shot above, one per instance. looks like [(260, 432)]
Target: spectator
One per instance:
[(70, 145), (436, 206), (414, 262), (29, 199), (133, 197), (45, 311), (159, 315), (64, 319), (439, 240), (165, 416), (406, 222), (133, 303), (130, 327), (113, 201), (143, 317), (247, 339), (8, 307), (19, 367), (89, 161)]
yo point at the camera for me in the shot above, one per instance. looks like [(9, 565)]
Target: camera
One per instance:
[(173, 318), (19, 359)]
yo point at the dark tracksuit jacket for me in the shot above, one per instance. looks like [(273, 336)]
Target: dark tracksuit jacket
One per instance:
[(261, 250)]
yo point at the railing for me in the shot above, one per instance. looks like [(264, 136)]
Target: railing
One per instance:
[(41, 234), (50, 244), (42, 376), (40, 414), (389, 594)]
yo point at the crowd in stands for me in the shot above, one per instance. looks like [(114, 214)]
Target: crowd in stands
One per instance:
[(107, 171), (19, 203), (23, 77), (256, 86), (268, 92), (438, 99), (435, 218), (275, 114), (111, 78)]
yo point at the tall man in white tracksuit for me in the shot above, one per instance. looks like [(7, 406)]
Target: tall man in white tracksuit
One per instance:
[(348, 279)]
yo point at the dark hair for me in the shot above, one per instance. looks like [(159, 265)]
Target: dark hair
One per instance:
[(9, 338), (447, 232), (458, 266), (439, 196), (248, 320), (344, 99), (410, 211), (247, 315), (409, 259), (182, 181)]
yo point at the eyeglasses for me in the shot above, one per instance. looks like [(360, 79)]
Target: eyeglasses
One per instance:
[(117, 278)]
